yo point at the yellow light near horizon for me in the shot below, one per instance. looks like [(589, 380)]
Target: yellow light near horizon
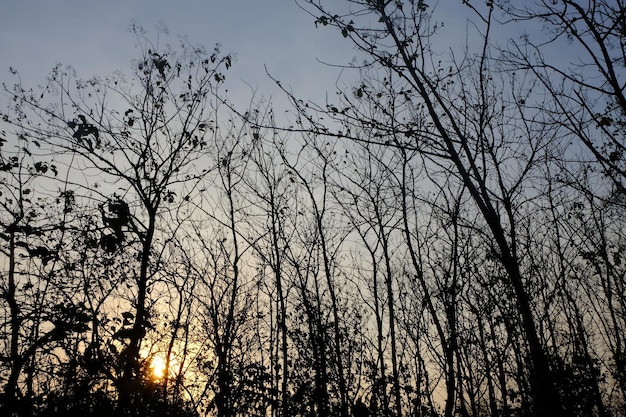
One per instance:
[(158, 365)]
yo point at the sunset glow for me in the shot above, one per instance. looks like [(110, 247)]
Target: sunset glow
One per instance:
[(350, 208), (158, 365)]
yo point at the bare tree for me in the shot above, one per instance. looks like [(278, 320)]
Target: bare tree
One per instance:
[(40, 307), (455, 113), (587, 94), (312, 166), (139, 145)]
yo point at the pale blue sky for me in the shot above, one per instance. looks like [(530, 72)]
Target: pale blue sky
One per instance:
[(92, 36)]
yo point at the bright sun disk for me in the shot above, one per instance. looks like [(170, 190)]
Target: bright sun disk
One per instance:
[(157, 365)]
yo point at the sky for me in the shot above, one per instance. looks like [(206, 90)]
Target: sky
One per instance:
[(93, 37)]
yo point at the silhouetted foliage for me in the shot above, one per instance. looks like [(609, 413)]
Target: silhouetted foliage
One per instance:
[(445, 237)]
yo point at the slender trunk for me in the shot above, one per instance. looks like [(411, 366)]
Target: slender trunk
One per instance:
[(327, 265), (282, 309), (10, 389), (170, 347), (419, 275), (183, 358), (502, 379), (343, 391), (380, 385), (127, 386), (321, 366), (317, 337), (392, 317), (546, 398), (493, 404), (283, 339), (451, 316), (224, 368)]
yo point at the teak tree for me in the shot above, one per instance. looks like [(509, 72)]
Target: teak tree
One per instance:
[(445, 238), (40, 309), (587, 94), (141, 141), (457, 116)]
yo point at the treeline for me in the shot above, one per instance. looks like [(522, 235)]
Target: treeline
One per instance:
[(445, 238)]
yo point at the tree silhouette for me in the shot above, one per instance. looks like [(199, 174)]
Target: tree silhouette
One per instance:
[(144, 139), (444, 237)]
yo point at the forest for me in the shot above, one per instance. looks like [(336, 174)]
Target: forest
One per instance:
[(443, 237)]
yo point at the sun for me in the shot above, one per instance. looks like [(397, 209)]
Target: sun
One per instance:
[(158, 366)]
